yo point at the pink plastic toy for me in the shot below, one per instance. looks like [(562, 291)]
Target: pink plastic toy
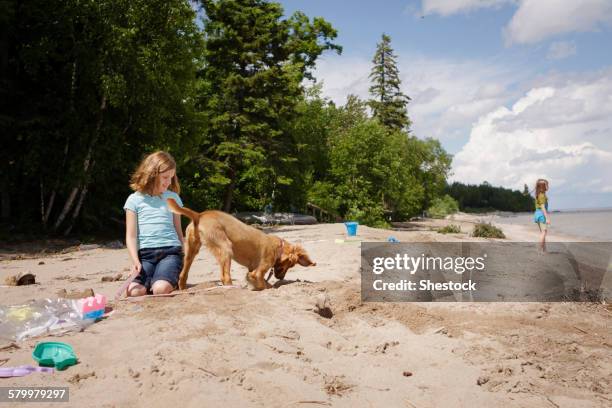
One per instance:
[(91, 307)]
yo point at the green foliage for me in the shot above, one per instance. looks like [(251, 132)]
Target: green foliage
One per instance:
[(484, 197), (389, 102), (367, 172), (322, 193), (443, 206), (434, 169), (486, 230), (256, 61), (450, 229), (372, 171), (368, 215), (92, 85), (309, 132), (89, 87)]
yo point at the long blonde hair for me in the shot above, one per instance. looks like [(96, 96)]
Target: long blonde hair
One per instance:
[(541, 187), (143, 179)]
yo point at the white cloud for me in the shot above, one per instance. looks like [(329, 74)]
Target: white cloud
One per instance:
[(561, 49), (558, 126), (447, 96), (536, 20), (449, 7), (560, 131), (342, 76)]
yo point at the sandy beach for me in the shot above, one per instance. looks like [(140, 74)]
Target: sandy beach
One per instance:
[(239, 348)]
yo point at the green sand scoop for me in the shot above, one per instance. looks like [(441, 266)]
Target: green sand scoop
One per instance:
[(54, 354)]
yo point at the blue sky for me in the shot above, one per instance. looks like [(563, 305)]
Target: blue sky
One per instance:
[(515, 89)]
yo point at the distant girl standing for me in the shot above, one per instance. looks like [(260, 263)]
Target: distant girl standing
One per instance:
[(541, 216), (153, 235)]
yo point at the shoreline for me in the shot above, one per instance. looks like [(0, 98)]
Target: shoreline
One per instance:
[(519, 232), (513, 232)]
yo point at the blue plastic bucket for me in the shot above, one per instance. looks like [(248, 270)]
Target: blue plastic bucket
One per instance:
[(351, 228)]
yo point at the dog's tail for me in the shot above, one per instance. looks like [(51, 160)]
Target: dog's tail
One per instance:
[(194, 216), (175, 208)]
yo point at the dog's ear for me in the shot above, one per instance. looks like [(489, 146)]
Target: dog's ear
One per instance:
[(303, 258), (290, 255)]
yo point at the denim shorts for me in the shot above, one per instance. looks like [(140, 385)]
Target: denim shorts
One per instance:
[(160, 263)]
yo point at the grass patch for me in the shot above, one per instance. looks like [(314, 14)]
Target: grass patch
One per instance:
[(484, 230), (450, 229)]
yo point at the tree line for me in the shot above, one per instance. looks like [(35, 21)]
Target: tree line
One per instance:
[(88, 87), (485, 197)]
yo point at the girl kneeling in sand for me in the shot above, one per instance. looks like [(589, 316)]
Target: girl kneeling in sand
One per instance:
[(541, 216), (153, 235)]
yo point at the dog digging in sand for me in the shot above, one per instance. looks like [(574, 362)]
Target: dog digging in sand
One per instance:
[(228, 238)]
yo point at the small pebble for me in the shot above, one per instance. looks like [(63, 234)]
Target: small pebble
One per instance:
[(482, 380)]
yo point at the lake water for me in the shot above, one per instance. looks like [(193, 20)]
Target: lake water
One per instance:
[(594, 224)]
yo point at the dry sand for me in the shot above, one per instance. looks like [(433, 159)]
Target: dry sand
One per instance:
[(239, 348)]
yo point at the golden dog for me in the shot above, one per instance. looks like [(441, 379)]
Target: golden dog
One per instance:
[(228, 238)]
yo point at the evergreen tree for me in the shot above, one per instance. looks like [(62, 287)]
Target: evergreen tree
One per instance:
[(388, 103), (255, 63)]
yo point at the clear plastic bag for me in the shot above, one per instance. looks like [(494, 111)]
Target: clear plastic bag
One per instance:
[(39, 317)]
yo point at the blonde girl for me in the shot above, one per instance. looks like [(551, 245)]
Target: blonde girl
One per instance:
[(153, 235), (541, 216)]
